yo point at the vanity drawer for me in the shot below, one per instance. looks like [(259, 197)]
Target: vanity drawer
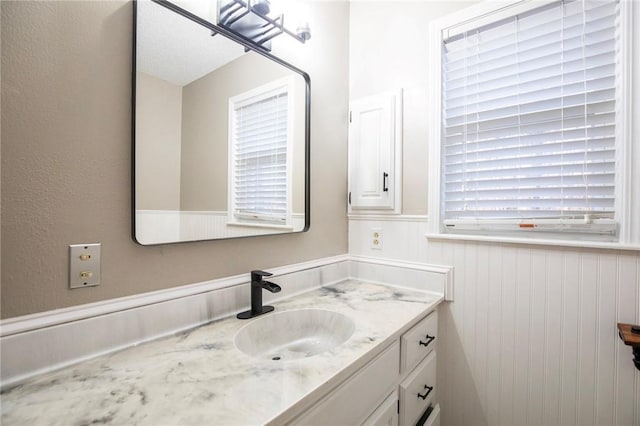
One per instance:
[(386, 414), (352, 401), (419, 341), (434, 417), (418, 390)]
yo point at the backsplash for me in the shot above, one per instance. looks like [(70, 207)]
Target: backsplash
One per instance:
[(35, 344)]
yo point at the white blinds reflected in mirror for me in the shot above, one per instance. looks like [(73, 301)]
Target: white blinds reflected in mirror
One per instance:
[(260, 144), (529, 121)]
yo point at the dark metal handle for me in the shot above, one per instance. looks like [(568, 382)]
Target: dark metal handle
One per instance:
[(257, 275), (429, 389), (385, 181), (429, 340)]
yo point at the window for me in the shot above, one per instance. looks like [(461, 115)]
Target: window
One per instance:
[(259, 146), (530, 138)]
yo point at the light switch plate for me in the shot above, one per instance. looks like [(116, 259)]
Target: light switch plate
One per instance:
[(84, 265)]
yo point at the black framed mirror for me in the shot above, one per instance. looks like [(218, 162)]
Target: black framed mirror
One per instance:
[(220, 130)]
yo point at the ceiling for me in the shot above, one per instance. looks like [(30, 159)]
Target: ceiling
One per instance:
[(176, 49)]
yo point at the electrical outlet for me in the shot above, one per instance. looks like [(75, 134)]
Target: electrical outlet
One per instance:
[(84, 265), (376, 238)]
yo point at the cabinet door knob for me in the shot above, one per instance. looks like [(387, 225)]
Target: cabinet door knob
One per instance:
[(429, 340), (426, 394)]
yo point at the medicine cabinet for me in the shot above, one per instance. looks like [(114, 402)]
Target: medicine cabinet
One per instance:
[(375, 154)]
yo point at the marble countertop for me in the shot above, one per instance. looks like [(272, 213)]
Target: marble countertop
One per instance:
[(199, 377)]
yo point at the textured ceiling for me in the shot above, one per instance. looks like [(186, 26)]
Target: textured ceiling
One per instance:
[(176, 49)]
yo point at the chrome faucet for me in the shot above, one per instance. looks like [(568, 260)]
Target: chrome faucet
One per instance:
[(257, 284)]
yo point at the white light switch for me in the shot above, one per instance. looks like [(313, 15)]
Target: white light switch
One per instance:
[(84, 265)]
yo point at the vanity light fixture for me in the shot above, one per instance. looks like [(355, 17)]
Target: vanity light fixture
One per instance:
[(250, 20)]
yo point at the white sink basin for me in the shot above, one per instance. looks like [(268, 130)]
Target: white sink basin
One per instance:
[(294, 334)]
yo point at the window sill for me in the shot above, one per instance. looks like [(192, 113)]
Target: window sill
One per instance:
[(530, 241)]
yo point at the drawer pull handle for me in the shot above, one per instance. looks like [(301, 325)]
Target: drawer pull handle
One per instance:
[(429, 389), (429, 340)]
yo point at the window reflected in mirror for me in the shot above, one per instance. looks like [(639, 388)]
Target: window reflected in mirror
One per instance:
[(219, 134)]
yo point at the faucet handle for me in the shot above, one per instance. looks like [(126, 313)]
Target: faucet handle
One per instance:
[(257, 275)]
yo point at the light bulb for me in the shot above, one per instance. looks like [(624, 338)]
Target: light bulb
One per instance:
[(304, 32), (262, 7)]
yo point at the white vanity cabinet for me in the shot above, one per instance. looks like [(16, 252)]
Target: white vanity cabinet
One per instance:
[(418, 370), (386, 414), (352, 402), (417, 391), (395, 388)]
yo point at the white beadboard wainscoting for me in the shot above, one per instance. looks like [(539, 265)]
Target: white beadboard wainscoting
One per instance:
[(162, 226), (531, 336), (38, 343)]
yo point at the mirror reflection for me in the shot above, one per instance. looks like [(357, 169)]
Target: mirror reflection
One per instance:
[(219, 135)]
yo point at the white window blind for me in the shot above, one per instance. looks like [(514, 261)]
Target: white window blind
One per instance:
[(259, 141), (529, 121)]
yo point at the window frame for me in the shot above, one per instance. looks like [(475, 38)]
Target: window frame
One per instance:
[(491, 11), (286, 84)]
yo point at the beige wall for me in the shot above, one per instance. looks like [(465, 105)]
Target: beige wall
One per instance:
[(66, 158), (158, 134), (205, 112), (389, 51)]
